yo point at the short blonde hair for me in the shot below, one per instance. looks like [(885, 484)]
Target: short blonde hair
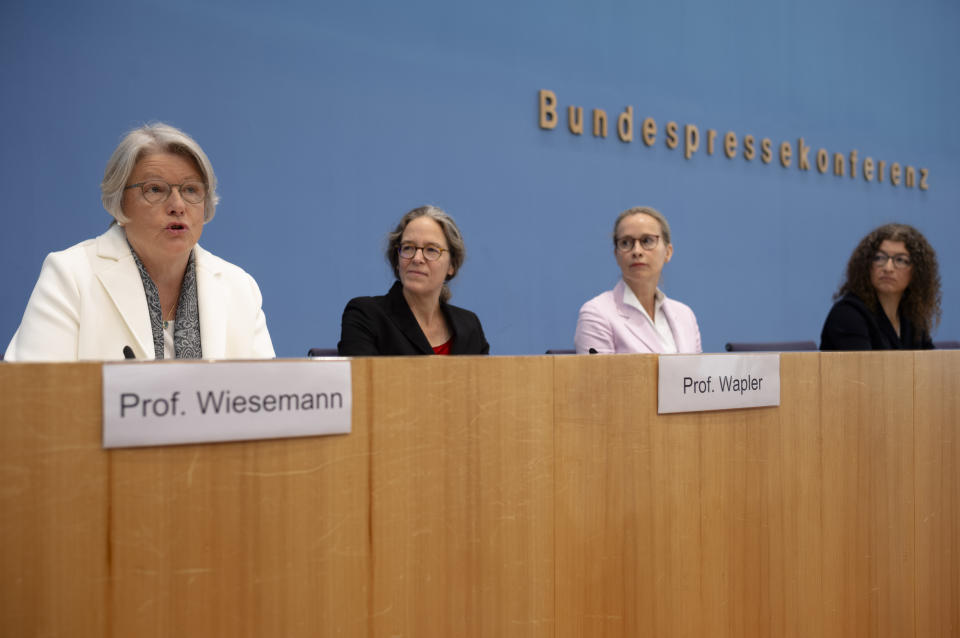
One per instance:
[(155, 137), (643, 210)]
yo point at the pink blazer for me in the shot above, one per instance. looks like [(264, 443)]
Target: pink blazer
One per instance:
[(608, 326)]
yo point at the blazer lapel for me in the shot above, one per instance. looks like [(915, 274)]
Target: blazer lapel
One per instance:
[(213, 314), (119, 276), (635, 322), (679, 333), (403, 319), (458, 345)]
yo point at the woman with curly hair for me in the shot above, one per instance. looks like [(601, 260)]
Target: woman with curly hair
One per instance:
[(891, 297)]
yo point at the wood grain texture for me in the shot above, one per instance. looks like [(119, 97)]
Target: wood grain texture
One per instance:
[(677, 525), (503, 496), (462, 497), (800, 502), (53, 502), (937, 524), (265, 538), (867, 410)]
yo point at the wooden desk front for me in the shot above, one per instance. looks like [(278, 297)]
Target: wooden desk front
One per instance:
[(504, 496)]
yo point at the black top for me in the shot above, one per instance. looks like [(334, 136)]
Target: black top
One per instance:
[(385, 325), (851, 325)]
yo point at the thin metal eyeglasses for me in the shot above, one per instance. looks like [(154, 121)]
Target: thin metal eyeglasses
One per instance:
[(626, 243), (157, 191), (899, 261), (430, 252)]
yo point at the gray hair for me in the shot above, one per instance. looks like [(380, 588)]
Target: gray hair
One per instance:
[(644, 210), (455, 245), (156, 137)]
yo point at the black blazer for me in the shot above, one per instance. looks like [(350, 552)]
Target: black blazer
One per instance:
[(851, 325), (385, 325)]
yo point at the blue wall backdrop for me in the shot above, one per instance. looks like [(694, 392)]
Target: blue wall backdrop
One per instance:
[(326, 122)]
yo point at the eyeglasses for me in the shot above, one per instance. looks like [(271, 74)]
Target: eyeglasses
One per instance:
[(156, 191), (899, 261), (430, 252), (625, 244)]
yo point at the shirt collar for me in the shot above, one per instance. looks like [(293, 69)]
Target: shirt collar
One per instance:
[(630, 299)]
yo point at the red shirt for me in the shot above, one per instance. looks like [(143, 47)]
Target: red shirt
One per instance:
[(443, 348)]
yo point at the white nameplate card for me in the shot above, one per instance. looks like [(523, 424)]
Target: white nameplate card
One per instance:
[(171, 403), (700, 382)]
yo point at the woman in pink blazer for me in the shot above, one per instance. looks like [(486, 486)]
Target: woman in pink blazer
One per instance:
[(636, 316)]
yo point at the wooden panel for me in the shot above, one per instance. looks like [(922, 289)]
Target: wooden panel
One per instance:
[(621, 568), (523, 496), (868, 493), (676, 525), (937, 418), (462, 493), (53, 502), (801, 499), (266, 538)]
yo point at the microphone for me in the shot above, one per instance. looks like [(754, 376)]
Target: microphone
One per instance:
[(128, 352), (591, 350)]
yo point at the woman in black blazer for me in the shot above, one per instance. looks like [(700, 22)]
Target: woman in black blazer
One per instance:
[(425, 251), (891, 297)]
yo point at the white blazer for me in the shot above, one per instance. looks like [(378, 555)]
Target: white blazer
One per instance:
[(89, 303), (608, 325)]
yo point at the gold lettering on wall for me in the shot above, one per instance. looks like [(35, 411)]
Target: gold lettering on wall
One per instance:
[(895, 174), (672, 139), (549, 108), (803, 155), (691, 141), (599, 123), (823, 160), (575, 119), (838, 160), (786, 152), (625, 125), (649, 131), (730, 144), (766, 150)]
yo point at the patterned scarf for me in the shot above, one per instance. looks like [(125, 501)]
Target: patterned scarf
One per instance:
[(186, 331)]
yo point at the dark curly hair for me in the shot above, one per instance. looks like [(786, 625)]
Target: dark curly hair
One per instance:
[(921, 300)]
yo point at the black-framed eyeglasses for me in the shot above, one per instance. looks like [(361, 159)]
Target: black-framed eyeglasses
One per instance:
[(626, 243), (156, 191), (899, 261), (430, 252)]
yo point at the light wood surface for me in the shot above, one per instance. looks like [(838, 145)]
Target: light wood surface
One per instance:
[(462, 497), (499, 496), (54, 484), (937, 520), (685, 524)]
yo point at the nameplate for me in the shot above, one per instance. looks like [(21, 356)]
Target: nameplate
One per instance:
[(173, 403), (700, 382)]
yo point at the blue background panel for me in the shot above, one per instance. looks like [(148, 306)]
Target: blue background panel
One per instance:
[(326, 123)]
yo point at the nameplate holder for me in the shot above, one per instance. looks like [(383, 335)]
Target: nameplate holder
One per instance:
[(175, 403), (701, 382)]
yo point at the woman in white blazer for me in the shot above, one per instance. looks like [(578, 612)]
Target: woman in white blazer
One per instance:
[(636, 316), (145, 289)]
